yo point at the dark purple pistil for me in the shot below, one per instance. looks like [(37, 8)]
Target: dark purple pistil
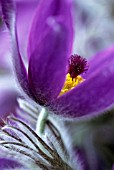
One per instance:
[(77, 65)]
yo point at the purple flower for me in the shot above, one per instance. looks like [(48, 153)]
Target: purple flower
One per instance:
[(49, 47)]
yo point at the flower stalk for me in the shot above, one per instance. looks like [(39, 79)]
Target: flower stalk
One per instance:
[(42, 118)]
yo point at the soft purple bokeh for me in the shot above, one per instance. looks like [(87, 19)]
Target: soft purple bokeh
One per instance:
[(8, 102), (9, 164)]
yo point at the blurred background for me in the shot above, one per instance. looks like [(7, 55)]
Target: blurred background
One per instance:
[(94, 22)]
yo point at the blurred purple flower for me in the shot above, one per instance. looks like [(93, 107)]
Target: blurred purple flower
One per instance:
[(49, 47), (6, 164), (113, 167), (8, 102), (25, 11)]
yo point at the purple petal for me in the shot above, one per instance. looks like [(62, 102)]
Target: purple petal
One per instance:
[(9, 164), (25, 12), (98, 61), (92, 97), (48, 14), (25, 9), (9, 18), (49, 47), (79, 152)]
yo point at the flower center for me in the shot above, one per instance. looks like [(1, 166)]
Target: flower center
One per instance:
[(77, 65)]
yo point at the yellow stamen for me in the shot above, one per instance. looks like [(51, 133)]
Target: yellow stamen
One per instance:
[(71, 83)]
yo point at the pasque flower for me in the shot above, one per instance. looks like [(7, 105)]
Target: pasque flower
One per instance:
[(49, 61), (49, 48)]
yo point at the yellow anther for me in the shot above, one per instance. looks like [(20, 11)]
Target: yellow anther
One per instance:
[(71, 83)]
